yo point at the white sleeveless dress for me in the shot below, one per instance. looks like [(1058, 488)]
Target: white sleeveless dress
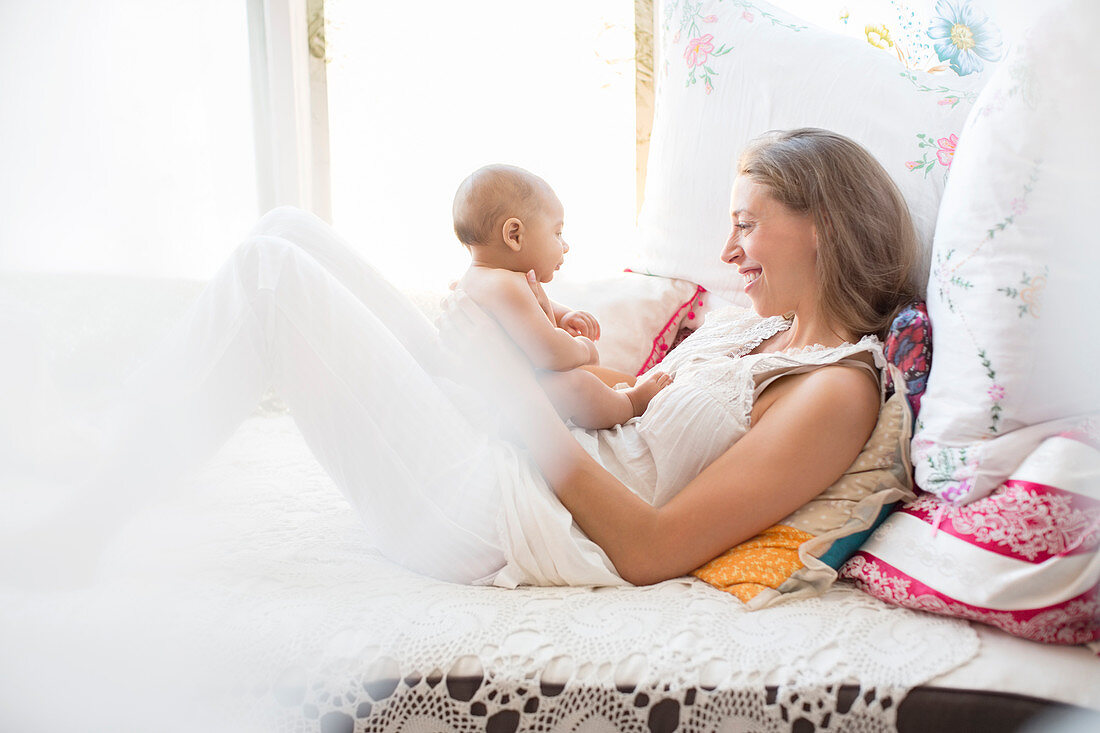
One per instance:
[(365, 376), (685, 428)]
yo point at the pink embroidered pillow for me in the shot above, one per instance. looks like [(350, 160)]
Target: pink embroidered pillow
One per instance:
[(639, 315), (1023, 559)]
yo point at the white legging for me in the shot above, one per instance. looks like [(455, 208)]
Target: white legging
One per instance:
[(362, 372)]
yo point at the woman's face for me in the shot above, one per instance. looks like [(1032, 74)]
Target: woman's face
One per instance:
[(774, 249)]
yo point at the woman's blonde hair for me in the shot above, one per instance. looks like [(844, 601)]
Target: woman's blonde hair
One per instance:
[(867, 246)]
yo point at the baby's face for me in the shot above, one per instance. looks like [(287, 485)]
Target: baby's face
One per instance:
[(544, 247)]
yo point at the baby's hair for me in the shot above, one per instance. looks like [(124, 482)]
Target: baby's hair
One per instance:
[(489, 196)]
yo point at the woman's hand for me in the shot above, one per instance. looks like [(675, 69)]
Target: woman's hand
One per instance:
[(542, 297)]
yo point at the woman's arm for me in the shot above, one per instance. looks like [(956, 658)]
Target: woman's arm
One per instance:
[(814, 428), (806, 431)]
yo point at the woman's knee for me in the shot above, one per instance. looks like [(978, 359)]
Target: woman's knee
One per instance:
[(279, 219), (261, 259)]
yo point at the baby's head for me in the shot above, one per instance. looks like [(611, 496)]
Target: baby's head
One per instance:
[(510, 218)]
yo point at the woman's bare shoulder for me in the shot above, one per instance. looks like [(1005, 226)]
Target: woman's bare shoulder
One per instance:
[(843, 398)]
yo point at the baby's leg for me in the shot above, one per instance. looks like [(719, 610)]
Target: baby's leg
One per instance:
[(582, 397), (611, 377)]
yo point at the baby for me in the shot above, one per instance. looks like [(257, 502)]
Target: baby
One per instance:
[(511, 222)]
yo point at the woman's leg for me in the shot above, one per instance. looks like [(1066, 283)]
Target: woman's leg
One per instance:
[(321, 242), (422, 477)]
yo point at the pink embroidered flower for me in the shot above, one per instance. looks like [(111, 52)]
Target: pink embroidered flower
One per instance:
[(707, 85), (697, 50), (710, 19), (747, 15), (912, 164), (957, 491), (997, 392), (947, 149), (1019, 206), (948, 102)]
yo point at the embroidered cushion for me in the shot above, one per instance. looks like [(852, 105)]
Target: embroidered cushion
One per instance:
[(731, 70), (909, 347), (1015, 265), (639, 315), (800, 555), (1023, 559)]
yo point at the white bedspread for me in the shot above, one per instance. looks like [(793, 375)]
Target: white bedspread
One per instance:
[(250, 594), (248, 600)]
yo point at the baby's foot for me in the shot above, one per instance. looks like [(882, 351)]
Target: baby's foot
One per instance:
[(646, 389)]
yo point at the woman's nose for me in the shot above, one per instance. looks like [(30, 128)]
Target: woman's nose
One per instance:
[(564, 246), (732, 251)]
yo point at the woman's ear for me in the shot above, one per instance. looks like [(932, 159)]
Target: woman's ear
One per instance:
[(512, 231)]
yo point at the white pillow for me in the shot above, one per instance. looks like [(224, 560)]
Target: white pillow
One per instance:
[(729, 72), (639, 315), (1016, 265)]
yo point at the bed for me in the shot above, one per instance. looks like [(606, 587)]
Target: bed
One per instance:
[(249, 600)]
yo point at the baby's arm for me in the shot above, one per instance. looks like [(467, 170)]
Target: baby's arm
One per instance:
[(573, 322), (507, 296)]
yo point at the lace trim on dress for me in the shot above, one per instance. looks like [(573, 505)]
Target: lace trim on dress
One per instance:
[(758, 334), (737, 386)]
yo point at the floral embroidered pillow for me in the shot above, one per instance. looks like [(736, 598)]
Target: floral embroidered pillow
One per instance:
[(1023, 559), (639, 315), (1015, 270), (730, 70)]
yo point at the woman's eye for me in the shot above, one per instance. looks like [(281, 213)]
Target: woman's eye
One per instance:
[(743, 226)]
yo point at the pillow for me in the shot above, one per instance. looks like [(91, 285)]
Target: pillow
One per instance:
[(1023, 559), (1015, 265), (909, 347), (800, 555), (730, 71), (639, 315)]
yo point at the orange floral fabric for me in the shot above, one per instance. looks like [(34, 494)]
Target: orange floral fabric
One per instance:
[(765, 561)]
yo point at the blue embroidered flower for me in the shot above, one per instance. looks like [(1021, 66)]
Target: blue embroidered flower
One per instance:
[(963, 36)]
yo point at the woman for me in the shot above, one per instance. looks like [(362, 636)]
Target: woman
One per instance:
[(826, 246)]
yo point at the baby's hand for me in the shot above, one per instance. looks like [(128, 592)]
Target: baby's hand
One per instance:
[(581, 323)]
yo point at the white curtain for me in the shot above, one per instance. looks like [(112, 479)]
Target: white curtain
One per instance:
[(126, 134)]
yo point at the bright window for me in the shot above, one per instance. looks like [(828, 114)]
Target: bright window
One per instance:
[(422, 94), (126, 136)]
